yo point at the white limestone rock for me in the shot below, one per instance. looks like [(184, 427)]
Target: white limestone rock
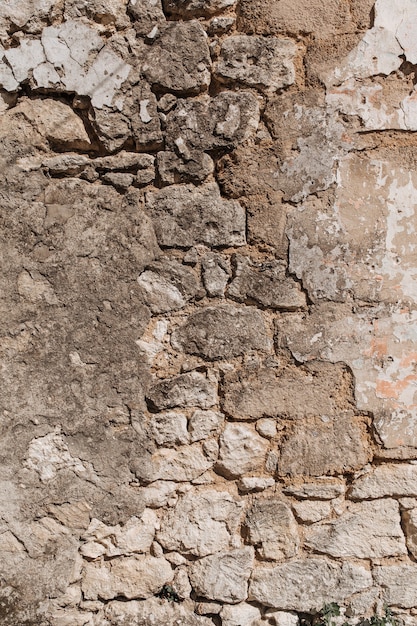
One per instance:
[(169, 429), (305, 585), (272, 529), (266, 427), (204, 424), (159, 493), (312, 511), (242, 450), (223, 576), (255, 483), (410, 529), (135, 536), (399, 584), (49, 454), (201, 523), (386, 480), (70, 57), (323, 489), (239, 614), (151, 612), (282, 618), (131, 577), (365, 530), (182, 465)]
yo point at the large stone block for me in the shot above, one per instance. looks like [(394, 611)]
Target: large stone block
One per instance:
[(222, 332), (184, 215), (241, 451), (223, 577), (257, 62), (317, 389), (201, 523), (386, 480), (366, 530), (179, 59), (266, 283), (306, 584), (324, 445), (131, 577), (150, 612), (190, 389), (267, 17), (272, 529), (399, 584), (206, 124)]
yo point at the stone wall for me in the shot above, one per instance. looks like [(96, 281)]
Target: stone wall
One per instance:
[(208, 311)]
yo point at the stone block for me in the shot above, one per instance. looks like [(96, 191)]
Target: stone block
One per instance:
[(305, 585), (265, 283), (223, 576), (131, 577), (206, 124), (184, 215), (190, 389), (179, 59), (201, 523), (272, 529), (293, 393), (222, 332), (263, 63), (241, 451), (366, 530)]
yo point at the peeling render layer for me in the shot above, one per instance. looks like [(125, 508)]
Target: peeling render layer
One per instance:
[(208, 311)]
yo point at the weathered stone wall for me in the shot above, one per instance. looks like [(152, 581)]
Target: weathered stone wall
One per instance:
[(208, 311)]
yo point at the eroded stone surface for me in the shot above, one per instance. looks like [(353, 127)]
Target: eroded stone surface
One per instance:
[(257, 62), (179, 59), (167, 285), (185, 8), (223, 577), (241, 451), (304, 584), (272, 529), (366, 529), (201, 523), (139, 577), (386, 480), (188, 215), (256, 393), (222, 332), (267, 284), (211, 123), (324, 446), (398, 584), (191, 389)]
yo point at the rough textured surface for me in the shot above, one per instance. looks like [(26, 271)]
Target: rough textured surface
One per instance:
[(222, 332), (303, 585), (207, 311)]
